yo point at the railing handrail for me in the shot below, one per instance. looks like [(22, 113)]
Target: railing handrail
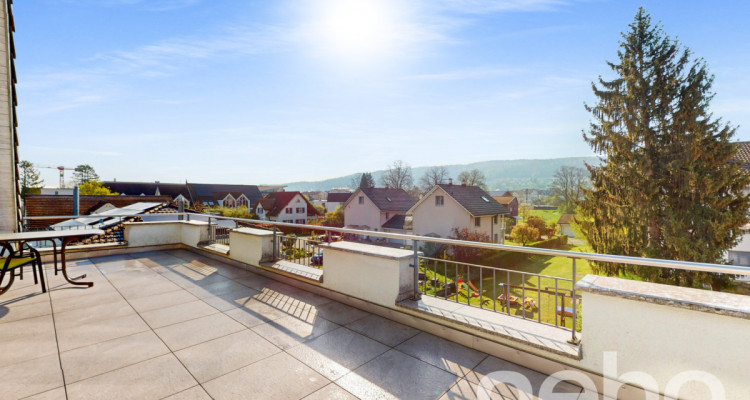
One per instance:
[(495, 268), (628, 260)]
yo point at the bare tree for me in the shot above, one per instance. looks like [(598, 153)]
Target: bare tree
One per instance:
[(432, 177), (567, 187), (398, 176), (474, 177)]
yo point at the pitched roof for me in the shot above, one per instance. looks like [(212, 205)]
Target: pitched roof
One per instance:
[(148, 188), (566, 218), (396, 222), (504, 200), (387, 199), (338, 197), (743, 155), (474, 199), (274, 202), (200, 192)]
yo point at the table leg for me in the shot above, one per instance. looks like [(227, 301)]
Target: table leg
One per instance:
[(65, 270), (54, 254)]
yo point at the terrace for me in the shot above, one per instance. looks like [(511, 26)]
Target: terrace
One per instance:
[(168, 316)]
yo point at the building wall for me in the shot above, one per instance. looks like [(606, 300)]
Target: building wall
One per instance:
[(9, 200), (428, 218), (297, 202), (331, 206), (362, 215)]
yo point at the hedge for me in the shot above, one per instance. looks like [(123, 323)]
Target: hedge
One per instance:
[(554, 243)]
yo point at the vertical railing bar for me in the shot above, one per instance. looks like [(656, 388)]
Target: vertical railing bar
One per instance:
[(523, 294), (494, 291), (506, 291), (481, 294), (573, 291), (556, 280), (538, 298), (455, 280), (416, 296), (468, 288)]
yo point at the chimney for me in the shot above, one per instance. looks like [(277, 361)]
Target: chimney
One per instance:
[(450, 181)]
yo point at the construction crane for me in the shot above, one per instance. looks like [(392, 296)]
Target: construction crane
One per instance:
[(62, 173)]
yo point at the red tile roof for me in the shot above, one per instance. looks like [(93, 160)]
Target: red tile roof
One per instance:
[(49, 205), (274, 202)]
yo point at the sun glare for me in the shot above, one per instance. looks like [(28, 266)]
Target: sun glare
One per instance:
[(356, 30)]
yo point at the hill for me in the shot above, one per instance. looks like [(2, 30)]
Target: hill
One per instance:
[(501, 174)]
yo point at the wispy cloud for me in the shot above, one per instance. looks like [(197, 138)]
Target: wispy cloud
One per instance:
[(150, 5)]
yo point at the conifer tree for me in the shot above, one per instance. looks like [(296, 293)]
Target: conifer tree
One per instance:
[(667, 186), (30, 181)]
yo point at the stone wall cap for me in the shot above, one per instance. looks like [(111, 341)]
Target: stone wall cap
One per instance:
[(252, 231), (369, 249), (675, 296)]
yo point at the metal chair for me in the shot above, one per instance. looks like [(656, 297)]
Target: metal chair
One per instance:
[(12, 263)]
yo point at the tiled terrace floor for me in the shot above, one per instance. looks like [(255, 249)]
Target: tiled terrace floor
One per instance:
[(178, 325)]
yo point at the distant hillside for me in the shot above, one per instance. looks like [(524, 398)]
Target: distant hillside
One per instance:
[(501, 174)]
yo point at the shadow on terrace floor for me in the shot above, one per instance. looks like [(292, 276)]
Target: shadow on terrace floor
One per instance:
[(177, 323)]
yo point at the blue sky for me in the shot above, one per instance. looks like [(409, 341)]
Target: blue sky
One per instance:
[(277, 91)]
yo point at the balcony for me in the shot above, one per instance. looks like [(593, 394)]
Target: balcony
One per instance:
[(168, 316)]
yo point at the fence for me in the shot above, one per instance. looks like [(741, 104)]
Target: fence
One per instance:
[(299, 250), (563, 287)]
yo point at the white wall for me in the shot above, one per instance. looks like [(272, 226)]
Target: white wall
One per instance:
[(430, 218), (361, 215), (297, 202)]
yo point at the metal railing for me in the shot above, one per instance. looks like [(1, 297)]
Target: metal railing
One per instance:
[(299, 250), (420, 240)]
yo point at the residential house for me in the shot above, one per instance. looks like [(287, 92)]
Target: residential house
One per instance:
[(508, 200), (334, 200), (564, 224), (176, 191), (740, 254), (290, 207), (372, 208), (447, 207)]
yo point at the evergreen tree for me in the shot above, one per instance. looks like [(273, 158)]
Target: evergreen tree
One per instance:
[(366, 181), (84, 173), (31, 183), (667, 186)]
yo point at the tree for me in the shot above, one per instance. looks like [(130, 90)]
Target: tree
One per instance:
[(363, 180), (335, 218), (474, 177), (95, 188), (567, 187), (84, 173), (524, 210), (524, 233), (667, 186), (398, 176), (30, 181), (432, 177), (465, 253), (539, 224)]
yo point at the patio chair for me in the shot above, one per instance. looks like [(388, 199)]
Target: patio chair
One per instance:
[(12, 263)]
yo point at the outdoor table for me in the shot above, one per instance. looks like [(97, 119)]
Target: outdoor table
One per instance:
[(65, 238)]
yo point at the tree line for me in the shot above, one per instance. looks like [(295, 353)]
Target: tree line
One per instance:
[(84, 176)]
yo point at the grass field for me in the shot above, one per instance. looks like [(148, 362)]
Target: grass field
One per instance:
[(516, 264)]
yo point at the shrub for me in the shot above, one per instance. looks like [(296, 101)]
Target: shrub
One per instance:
[(539, 224), (464, 253), (524, 233)]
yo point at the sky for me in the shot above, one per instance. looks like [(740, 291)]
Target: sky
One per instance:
[(261, 92)]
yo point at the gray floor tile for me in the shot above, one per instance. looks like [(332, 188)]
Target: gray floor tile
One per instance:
[(277, 377), (87, 298), (54, 394), (442, 353), (190, 333), (465, 390), (394, 375), (217, 357), (99, 331), (161, 300), (383, 330), (494, 364), (135, 292), (290, 331), (194, 393), (92, 313), (340, 313), (216, 289), (17, 311), (331, 392), (255, 281), (27, 339), (338, 352), (151, 379), (30, 377), (177, 313), (85, 362)]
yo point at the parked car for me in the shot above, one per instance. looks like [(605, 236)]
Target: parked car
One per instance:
[(317, 258)]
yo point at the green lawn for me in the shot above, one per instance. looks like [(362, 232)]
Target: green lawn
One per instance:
[(518, 263)]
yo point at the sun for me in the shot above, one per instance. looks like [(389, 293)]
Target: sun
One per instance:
[(355, 29)]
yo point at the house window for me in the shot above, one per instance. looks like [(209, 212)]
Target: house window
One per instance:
[(300, 221), (494, 220), (361, 199), (289, 210), (288, 221), (300, 210), (386, 216), (439, 200), (260, 210), (477, 221)]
